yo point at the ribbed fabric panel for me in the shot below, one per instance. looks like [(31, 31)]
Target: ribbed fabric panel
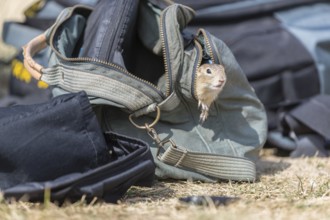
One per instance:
[(98, 86), (214, 165)]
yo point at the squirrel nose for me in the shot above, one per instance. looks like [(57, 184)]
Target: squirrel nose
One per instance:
[(221, 80)]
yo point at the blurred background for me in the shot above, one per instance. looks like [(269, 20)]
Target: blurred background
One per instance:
[(9, 10), (12, 10)]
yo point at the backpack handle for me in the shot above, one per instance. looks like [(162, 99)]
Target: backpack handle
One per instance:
[(29, 50)]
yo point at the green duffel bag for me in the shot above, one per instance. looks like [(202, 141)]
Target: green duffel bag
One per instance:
[(159, 106)]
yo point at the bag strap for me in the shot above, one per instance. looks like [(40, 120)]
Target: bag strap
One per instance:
[(29, 50), (124, 93), (214, 165), (113, 85), (118, 90)]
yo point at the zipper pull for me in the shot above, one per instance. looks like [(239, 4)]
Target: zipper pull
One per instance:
[(206, 58)]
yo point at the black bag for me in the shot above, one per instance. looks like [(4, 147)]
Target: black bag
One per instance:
[(59, 146), (304, 129)]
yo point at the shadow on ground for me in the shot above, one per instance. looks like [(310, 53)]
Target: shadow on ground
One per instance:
[(270, 167), (159, 190)]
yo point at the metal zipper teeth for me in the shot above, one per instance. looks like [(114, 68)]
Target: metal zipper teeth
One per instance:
[(162, 36), (200, 49), (208, 45), (82, 59)]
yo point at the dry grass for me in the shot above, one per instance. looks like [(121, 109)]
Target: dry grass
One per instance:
[(286, 189)]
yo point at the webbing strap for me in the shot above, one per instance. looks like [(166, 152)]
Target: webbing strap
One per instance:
[(215, 165), (102, 86)]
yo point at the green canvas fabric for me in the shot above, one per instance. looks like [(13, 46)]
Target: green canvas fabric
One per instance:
[(230, 138)]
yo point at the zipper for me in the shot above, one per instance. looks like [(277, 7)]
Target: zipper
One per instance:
[(166, 59), (198, 64), (208, 45), (202, 45), (94, 60)]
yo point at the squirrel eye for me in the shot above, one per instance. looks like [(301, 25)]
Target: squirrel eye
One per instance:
[(208, 71)]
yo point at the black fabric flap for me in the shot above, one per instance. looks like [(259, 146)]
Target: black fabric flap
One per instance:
[(315, 114)]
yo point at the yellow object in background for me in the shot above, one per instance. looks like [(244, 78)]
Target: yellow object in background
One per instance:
[(34, 8), (19, 72)]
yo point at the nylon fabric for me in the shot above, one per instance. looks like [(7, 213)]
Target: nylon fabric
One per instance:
[(34, 137), (237, 124)]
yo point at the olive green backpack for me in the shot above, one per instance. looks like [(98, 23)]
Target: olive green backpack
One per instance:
[(156, 99)]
